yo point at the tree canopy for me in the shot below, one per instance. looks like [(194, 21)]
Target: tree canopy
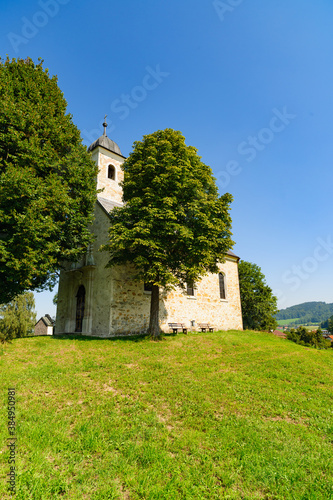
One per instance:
[(305, 337), (328, 324), (259, 305), (18, 317), (174, 227), (47, 180)]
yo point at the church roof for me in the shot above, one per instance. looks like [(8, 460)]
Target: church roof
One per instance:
[(108, 205), (231, 254), (106, 143)]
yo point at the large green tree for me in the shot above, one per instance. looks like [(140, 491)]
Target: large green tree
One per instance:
[(259, 305), (47, 180), (18, 317), (328, 324), (174, 227)]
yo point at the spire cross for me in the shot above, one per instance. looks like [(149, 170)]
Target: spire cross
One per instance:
[(105, 125)]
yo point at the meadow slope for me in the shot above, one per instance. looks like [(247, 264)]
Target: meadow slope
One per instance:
[(226, 415)]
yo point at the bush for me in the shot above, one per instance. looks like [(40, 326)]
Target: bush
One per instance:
[(305, 337), (18, 317)]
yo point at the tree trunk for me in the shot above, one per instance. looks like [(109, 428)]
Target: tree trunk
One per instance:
[(154, 324)]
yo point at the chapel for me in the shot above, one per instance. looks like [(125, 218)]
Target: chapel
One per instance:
[(98, 301)]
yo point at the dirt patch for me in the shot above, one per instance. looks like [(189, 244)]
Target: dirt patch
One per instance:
[(287, 419)]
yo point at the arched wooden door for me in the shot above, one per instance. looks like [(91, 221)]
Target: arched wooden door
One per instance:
[(80, 303)]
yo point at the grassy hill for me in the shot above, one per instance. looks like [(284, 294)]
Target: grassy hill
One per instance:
[(234, 415)]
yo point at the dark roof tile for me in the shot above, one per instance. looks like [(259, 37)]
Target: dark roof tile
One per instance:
[(106, 143)]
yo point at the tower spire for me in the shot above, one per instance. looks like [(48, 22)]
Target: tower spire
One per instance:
[(105, 125)]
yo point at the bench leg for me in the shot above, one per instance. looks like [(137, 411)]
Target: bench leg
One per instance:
[(185, 331), (175, 330)]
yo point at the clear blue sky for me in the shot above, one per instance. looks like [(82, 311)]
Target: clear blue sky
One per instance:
[(248, 83)]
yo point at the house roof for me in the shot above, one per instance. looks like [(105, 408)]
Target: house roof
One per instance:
[(278, 333), (47, 320), (48, 317)]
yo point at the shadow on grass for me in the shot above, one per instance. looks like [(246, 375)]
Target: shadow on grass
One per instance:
[(129, 338), (125, 338), (75, 336)]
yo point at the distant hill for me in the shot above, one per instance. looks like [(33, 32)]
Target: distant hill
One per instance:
[(308, 312)]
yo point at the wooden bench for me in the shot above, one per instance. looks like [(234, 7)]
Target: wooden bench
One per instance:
[(177, 326), (206, 326)]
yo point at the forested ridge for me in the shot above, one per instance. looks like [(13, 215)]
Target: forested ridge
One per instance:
[(308, 312)]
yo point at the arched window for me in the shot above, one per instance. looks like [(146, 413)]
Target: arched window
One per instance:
[(222, 286), (190, 289), (147, 287), (80, 303), (111, 172)]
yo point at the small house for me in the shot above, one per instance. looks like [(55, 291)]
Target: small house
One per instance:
[(44, 326)]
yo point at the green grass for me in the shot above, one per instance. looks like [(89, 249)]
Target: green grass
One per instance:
[(312, 327), (227, 415), (286, 322)]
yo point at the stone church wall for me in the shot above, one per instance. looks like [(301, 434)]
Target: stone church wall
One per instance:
[(131, 305), (206, 306)]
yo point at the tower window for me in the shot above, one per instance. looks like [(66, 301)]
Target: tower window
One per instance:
[(222, 286), (111, 173), (190, 289)]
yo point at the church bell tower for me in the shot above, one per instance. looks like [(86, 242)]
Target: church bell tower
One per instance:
[(107, 155)]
